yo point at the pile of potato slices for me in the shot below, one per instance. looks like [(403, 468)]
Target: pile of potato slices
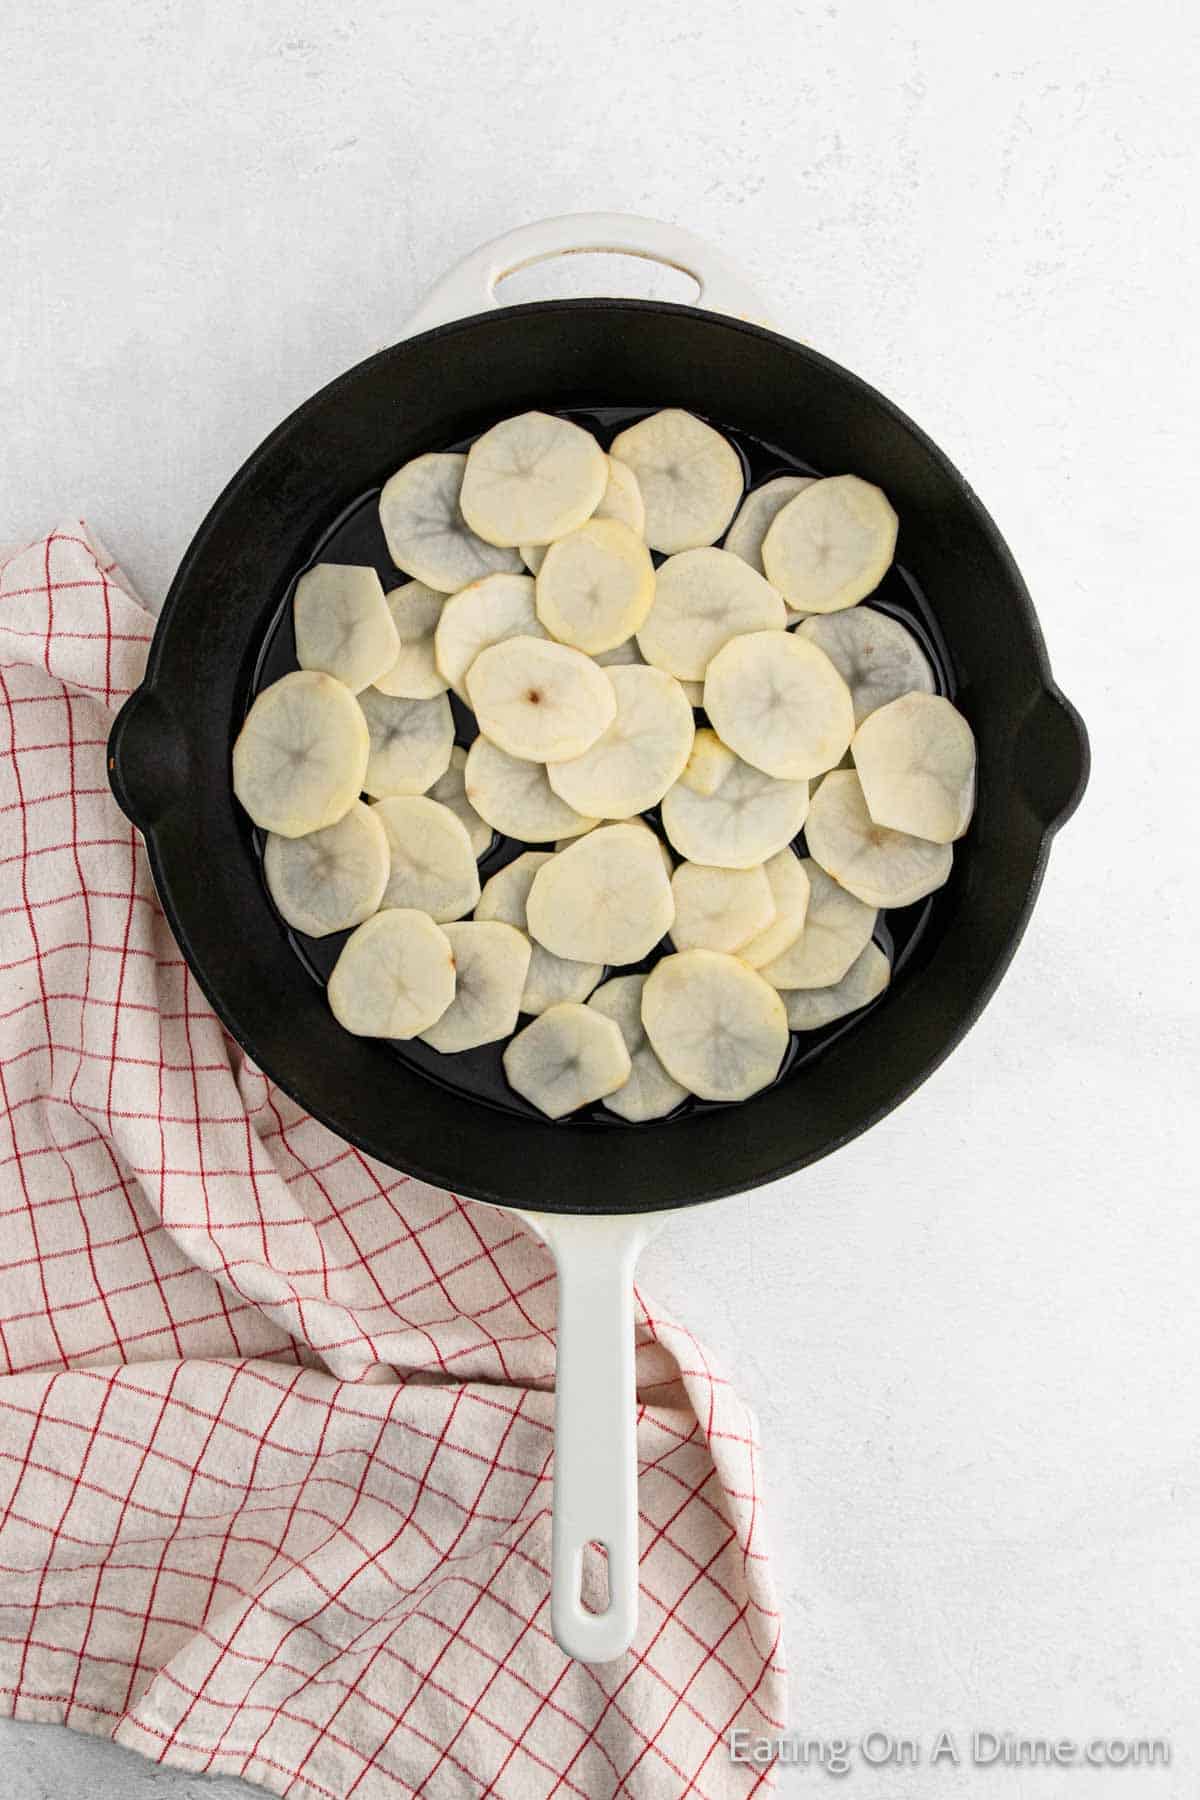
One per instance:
[(534, 597)]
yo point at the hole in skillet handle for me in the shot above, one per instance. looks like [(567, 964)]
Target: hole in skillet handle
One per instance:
[(147, 759), (1053, 758)]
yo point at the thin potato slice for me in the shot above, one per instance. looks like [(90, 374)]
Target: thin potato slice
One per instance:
[(300, 757), (832, 545), (531, 479), (649, 1093), (780, 703), (411, 741), (540, 701), (640, 755), (866, 978), (595, 586), (916, 761), (708, 764), (515, 797), (663, 850), (567, 1058), (427, 536), (394, 977), (790, 891), (414, 675), (747, 818), (605, 899), (837, 928), (689, 475), (881, 866), (874, 655), (432, 863), (702, 598), (343, 625), (330, 879), (719, 909), (549, 979), (757, 514), (715, 1025), (621, 499), (491, 961), (487, 612), (451, 790)]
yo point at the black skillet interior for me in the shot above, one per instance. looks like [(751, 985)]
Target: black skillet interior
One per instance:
[(169, 755)]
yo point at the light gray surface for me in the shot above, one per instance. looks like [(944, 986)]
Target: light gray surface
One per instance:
[(971, 1336)]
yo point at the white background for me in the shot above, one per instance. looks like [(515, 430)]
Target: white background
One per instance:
[(971, 1336)]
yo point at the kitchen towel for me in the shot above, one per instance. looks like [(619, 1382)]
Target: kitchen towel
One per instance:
[(275, 1420)]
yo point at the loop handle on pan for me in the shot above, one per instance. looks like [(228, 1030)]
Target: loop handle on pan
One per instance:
[(470, 286)]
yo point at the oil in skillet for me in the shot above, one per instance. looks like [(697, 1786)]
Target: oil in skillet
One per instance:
[(357, 537)]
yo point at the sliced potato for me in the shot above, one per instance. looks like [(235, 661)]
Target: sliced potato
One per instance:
[(624, 655), (757, 514), (491, 961), (567, 1058), (432, 863), (866, 978), (916, 761), (411, 741), (427, 536), (595, 586), (621, 499), (515, 797), (414, 675), (330, 879), (702, 598), (789, 890), (689, 475), (832, 545), (640, 755), (715, 1025), (343, 625), (837, 928), (300, 757), (487, 612), (780, 703), (538, 700), (394, 977), (708, 764), (549, 979), (451, 790), (668, 860), (649, 1093), (532, 479), (875, 656), (881, 866), (604, 899), (747, 818), (719, 909)]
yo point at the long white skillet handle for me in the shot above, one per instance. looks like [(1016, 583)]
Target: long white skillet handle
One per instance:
[(595, 1424), (470, 286)]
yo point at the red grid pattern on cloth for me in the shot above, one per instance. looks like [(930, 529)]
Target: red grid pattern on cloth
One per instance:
[(275, 1420)]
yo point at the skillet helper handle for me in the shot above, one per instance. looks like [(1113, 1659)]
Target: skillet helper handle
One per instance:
[(470, 287)]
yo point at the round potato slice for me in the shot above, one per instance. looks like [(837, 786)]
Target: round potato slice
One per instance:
[(640, 755), (748, 817), (394, 977), (343, 625), (689, 475), (832, 545), (874, 655), (650, 1093), (490, 964), (567, 1058), (605, 899), (837, 928), (624, 655), (414, 675), (866, 978), (427, 536), (789, 890), (881, 866), (432, 863), (622, 499), (916, 761), (487, 612), (532, 479), (411, 741), (719, 909), (757, 514), (549, 978), (540, 701), (702, 598), (451, 790), (780, 703), (708, 764), (300, 757), (595, 586), (515, 797), (331, 879), (715, 1025)]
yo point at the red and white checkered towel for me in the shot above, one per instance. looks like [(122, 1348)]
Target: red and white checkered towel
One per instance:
[(275, 1421)]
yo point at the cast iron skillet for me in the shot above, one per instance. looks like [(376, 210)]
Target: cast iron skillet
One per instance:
[(170, 747)]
